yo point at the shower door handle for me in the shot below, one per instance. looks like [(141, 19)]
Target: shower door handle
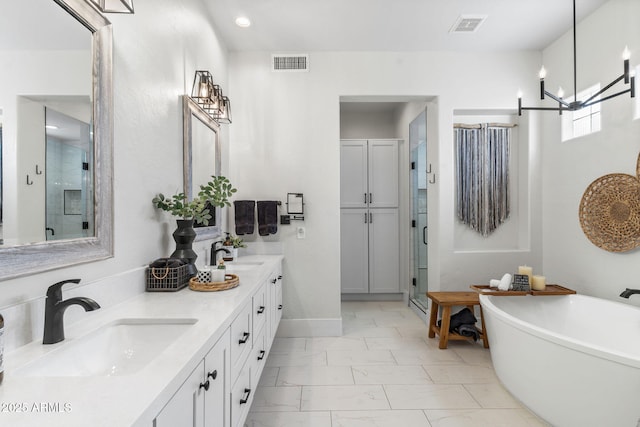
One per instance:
[(424, 234)]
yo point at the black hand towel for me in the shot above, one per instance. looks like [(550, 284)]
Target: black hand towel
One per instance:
[(267, 217), (463, 317), (244, 216)]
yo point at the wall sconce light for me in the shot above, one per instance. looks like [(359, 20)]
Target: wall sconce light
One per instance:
[(209, 97), (114, 6), (225, 110)]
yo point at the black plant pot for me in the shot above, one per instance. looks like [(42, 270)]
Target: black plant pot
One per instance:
[(184, 237)]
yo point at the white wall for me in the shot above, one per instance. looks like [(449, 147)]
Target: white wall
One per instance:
[(286, 133), (569, 167), (156, 52)]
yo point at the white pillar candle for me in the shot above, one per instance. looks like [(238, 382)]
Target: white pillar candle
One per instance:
[(523, 269), (539, 283)]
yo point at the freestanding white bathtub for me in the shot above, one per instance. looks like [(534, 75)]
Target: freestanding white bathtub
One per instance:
[(574, 360)]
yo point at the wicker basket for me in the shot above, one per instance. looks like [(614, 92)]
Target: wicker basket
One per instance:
[(231, 281), (167, 279), (610, 212)]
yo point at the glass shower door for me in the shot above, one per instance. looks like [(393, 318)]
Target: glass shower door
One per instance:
[(417, 137)]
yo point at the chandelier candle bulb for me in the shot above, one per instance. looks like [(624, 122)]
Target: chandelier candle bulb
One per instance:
[(526, 270), (626, 55), (539, 283), (543, 74)]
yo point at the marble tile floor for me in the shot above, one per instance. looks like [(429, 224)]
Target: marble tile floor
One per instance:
[(383, 372)]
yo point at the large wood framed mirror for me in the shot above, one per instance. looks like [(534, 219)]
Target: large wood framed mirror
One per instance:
[(201, 145), (56, 103)]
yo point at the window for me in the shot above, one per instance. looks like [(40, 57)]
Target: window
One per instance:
[(584, 121)]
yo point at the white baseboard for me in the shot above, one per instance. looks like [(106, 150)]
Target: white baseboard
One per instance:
[(299, 328)]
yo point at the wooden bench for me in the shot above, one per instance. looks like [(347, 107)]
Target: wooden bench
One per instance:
[(446, 300)]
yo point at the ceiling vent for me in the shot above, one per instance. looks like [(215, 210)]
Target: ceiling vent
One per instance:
[(282, 62), (467, 23)]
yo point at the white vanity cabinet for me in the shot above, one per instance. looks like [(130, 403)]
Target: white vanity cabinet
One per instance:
[(201, 401), (220, 390)]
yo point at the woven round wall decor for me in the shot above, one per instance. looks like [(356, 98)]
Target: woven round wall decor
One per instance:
[(610, 212)]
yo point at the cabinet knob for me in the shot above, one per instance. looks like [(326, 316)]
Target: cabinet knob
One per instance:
[(274, 281), (262, 353), (247, 392), (261, 309), (205, 385), (280, 307), (244, 338), (213, 375), (280, 277)]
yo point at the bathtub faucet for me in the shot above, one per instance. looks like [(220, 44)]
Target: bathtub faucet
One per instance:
[(628, 292)]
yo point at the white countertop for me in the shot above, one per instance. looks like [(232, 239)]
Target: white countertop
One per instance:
[(132, 400)]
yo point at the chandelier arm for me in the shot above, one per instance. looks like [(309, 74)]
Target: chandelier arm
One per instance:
[(587, 104), (545, 108), (603, 90), (555, 98)]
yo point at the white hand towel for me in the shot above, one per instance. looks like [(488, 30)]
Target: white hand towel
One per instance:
[(494, 283), (505, 282)]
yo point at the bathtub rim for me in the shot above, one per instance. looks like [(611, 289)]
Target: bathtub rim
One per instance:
[(556, 338)]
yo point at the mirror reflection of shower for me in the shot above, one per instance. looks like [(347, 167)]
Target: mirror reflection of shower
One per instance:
[(69, 177)]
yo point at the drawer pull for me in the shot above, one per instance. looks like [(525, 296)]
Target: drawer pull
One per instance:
[(213, 375), (246, 399), (280, 307), (244, 338), (261, 309), (205, 385), (262, 353)]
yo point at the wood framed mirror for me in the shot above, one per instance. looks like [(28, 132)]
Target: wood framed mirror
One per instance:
[(201, 153), (29, 255)]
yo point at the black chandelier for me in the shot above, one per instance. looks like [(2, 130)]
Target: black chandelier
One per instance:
[(629, 79)]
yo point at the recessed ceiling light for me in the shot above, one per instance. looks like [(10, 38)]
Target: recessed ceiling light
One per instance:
[(243, 22)]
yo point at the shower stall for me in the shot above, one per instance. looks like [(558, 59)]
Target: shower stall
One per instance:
[(420, 232)]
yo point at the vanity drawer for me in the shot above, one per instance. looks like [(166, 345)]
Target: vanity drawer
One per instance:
[(258, 357), (241, 396), (241, 340), (260, 311)]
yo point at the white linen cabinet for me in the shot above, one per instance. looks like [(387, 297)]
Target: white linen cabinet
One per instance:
[(369, 239)]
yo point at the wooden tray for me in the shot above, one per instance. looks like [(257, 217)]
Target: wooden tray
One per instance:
[(231, 281), (554, 290), (549, 290), (487, 290)]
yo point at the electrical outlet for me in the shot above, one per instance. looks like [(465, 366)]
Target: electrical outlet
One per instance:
[(301, 232)]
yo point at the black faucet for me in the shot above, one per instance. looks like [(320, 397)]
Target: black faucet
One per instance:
[(214, 251), (628, 292), (54, 311)]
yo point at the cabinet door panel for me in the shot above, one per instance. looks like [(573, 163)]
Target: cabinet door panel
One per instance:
[(353, 251), (353, 174), (383, 173), (217, 371), (185, 408), (384, 251), (241, 336)]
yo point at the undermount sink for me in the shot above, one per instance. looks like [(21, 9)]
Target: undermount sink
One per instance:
[(121, 347), (242, 265)]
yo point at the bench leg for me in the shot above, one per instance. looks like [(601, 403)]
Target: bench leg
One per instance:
[(433, 317), (444, 326), (485, 338)]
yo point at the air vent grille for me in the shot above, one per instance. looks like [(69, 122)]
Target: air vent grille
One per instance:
[(289, 62), (467, 23)]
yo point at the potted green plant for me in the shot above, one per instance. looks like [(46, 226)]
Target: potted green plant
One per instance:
[(214, 193), (232, 244)]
